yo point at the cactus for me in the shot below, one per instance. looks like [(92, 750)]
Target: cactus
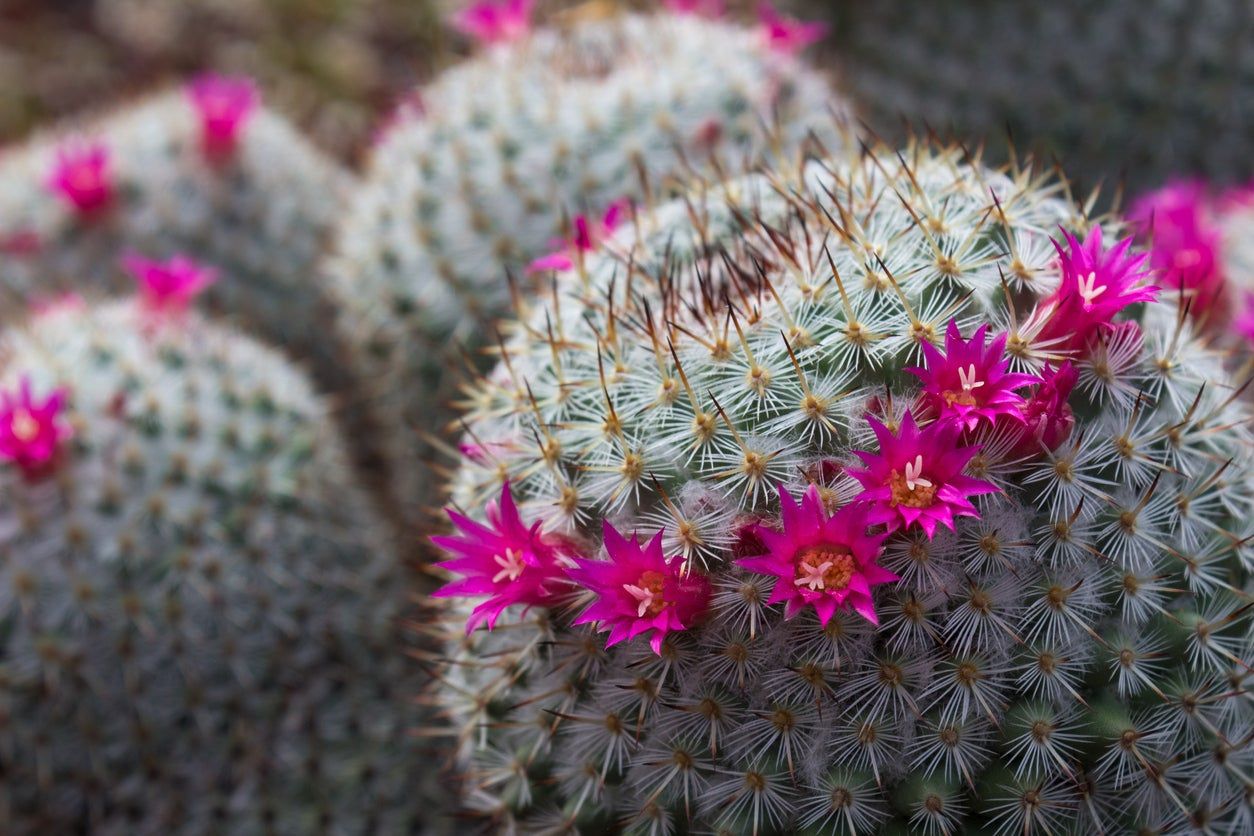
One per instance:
[(204, 172), (908, 502), (492, 161), (1122, 89), (198, 611)]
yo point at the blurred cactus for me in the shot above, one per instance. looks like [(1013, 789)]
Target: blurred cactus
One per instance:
[(330, 64), (205, 172), (1013, 560), (493, 161), (1135, 89), (197, 609)]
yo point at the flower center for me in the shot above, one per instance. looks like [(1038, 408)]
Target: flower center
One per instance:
[(969, 382), (1087, 290), (827, 566), (511, 564), (84, 178), (911, 489), (24, 426), (648, 592)]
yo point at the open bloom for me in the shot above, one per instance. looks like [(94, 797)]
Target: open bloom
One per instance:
[(787, 35), (495, 23), (506, 561), (1046, 416), (827, 562), (712, 9), (917, 477), (82, 176), (639, 590), (225, 105), (970, 382), (169, 286), (589, 233), (31, 430), (1096, 285), (1184, 241)]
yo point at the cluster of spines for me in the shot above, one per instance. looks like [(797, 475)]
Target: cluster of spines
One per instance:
[(1038, 636)]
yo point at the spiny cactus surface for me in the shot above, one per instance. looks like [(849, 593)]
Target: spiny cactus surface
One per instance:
[(537, 138), (204, 172), (197, 609), (886, 496)]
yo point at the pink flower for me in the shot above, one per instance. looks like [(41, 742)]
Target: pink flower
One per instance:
[(712, 9), (1096, 285), (225, 105), (824, 561), (639, 590), (169, 286), (917, 476), (505, 561), (970, 383), (82, 176), (495, 23), (787, 35), (31, 431), (589, 233), (1046, 416), (1184, 241)]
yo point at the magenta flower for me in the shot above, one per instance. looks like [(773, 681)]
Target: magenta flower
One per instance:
[(639, 590), (712, 9), (495, 23), (169, 286), (970, 383), (787, 35), (827, 562), (1184, 241), (31, 431), (1096, 285), (82, 176), (1046, 416), (588, 235), (505, 561), (225, 105), (917, 476)]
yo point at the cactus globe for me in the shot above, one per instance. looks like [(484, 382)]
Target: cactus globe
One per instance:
[(888, 494)]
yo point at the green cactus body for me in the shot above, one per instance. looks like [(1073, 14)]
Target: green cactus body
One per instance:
[(505, 150), (261, 216), (1073, 657), (197, 609)]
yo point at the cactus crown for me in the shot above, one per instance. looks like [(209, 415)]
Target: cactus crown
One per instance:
[(899, 571)]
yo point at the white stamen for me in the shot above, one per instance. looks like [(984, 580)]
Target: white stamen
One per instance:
[(914, 474), (967, 377), (644, 596), (814, 576), (511, 564), (1087, 291)]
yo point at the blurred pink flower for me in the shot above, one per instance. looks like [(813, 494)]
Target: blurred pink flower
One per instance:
[(31, 431), (225, 105), (169, 286), (588, 235), (788, 35), (495, 23), (82, 176), (1184, 241)]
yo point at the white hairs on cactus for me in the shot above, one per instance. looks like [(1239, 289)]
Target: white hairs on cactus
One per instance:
[(940, 523), (531, 141), (197, 608), (204, 172)]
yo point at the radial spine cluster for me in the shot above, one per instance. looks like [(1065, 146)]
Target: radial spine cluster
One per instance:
[(909, 503)]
